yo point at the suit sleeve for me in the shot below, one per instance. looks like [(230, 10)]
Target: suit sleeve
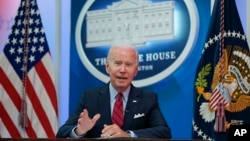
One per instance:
[(65, 130)]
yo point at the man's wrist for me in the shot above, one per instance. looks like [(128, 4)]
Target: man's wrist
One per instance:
[(79, 135), (132, 134), (129, 134)]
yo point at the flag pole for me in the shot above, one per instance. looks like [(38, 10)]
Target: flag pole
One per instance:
[(23, 112), (220, 121)]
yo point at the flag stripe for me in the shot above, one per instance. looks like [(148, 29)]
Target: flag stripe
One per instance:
[(217, 97), (40, 87), (12, 130), (41, 95), (14, 98), (30, 131), (47, 83), (7, 85), (6, 118), (38, 109)]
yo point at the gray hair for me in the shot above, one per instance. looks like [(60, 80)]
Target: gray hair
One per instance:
[(122, 45)]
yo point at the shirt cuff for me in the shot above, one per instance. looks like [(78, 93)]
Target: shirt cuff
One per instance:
[(132, 134), (74, 135)]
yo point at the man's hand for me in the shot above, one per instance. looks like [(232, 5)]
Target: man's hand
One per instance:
[(85, 123), (112, 131)]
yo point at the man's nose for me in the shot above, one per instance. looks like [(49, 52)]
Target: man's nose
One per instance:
[(123, 68)]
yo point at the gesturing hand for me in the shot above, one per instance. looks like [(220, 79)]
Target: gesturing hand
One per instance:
[(85, 123)]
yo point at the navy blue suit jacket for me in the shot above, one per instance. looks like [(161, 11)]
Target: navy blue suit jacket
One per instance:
[(142, 114)]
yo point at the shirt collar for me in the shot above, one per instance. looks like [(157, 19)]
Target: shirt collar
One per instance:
[(113, 93)]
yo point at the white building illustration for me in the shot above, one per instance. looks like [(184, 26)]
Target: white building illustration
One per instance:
[(132, 21)]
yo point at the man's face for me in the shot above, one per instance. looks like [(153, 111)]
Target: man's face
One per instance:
[(122, 67)]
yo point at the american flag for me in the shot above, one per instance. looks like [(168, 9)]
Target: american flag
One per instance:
[(28, 99)]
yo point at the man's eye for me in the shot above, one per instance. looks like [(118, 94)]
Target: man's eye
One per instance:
[(117, 63), (129, 64)]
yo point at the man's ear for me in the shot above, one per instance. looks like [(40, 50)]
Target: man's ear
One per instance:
[(136, 71), (107, 68)]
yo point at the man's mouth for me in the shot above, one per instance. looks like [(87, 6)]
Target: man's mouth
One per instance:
[(123, 78)]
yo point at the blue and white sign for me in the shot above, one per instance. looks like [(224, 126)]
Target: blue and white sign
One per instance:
[(164, 33)]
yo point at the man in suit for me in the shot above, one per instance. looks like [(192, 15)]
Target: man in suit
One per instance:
[(141, 116)]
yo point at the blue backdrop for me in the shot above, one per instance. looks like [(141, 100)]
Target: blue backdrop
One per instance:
[(175, 91)]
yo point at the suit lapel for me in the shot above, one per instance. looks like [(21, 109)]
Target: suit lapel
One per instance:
[(104, 105), (131, 108)]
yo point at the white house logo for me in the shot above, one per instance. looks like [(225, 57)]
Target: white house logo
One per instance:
[(163, 32)]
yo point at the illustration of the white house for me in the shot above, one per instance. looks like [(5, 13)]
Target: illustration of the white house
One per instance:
[(132, 21)]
